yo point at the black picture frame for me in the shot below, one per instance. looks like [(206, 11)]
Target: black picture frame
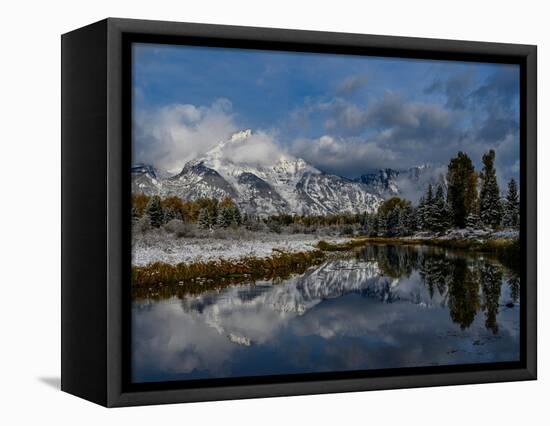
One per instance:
[(96, 143)]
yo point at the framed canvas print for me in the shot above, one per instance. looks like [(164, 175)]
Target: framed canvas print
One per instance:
[(253, 212)]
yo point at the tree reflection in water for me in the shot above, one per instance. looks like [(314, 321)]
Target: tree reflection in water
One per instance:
[(513, 283), (466, 283), (386, 307), (491, 281)]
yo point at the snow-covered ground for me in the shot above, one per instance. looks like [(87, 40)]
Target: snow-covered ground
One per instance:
[(161, 246), (166, 248)]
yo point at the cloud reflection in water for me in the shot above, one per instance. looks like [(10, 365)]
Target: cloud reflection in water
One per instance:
[(391, 307)]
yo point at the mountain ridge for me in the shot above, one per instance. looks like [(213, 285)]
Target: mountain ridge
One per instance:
[(281, 184)]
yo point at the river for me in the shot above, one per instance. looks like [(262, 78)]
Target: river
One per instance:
[(386, 307)]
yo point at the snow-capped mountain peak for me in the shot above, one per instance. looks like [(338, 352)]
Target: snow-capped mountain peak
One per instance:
[(240, 135), (235, 138), (264, 179), (231, 159)]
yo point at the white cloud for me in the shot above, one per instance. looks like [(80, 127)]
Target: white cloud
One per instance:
[(259, 149), (345, 156), (412, 190), (352, 84), (349, 116), (169, 136)]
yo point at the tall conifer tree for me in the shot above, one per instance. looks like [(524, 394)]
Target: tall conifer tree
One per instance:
[(440, 211), (420, 214), (461, 188), (490, 207), (155, 212), (204, 219), (429, 210), (511, 205)]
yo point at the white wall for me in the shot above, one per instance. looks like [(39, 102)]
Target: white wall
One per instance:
[(30, 193)]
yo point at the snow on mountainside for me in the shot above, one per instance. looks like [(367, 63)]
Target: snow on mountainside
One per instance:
[(324, 193), (263, 187), (145, 179), (381, 182), (198, 181), (277, 184)]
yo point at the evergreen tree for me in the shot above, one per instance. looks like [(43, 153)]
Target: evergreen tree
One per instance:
[(461, 188), (420, 214), (236, 217), (170, 214), (489, 200), (473, 221), (372, 225), (225, 217), (388, 215), (253, 222), (154, 211), (393, 222), (205, 220), (511, 206), (382, 224), (471, 197), (410, 220), (429, 210), (441, 219), (401, 223)]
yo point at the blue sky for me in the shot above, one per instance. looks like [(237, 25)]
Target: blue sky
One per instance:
[(344, 114)]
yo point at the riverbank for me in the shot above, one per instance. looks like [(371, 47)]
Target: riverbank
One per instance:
[(198, 275), (504, 245), (472, 245)]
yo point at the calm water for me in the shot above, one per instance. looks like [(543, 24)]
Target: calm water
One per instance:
[(389, 307)]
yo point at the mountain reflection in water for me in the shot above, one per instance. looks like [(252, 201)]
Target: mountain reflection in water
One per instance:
[(390, 307)]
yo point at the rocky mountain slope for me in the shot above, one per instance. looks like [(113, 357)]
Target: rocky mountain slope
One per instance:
[(391, 182)]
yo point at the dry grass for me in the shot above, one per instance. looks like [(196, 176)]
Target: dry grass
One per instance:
[(348, 245), (200, 276)]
